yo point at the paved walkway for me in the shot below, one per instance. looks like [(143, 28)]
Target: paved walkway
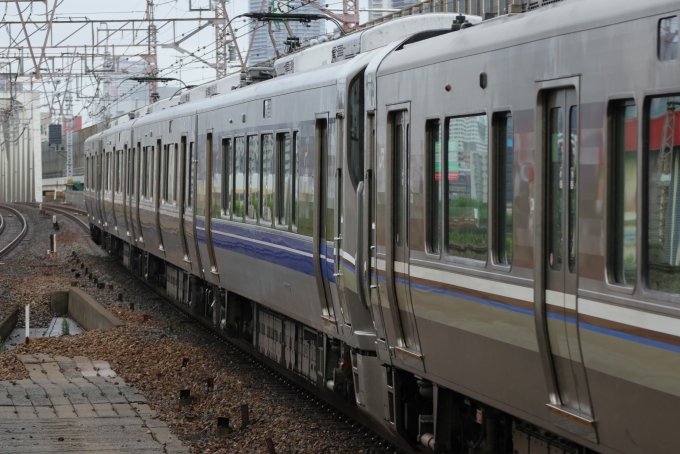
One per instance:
[(78, 406)]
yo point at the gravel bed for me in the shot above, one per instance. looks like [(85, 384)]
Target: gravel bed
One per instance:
[(150, 354)]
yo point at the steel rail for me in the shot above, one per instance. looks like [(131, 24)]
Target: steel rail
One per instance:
[(71, 213), (12, 244)]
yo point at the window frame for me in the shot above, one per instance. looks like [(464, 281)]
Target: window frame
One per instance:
[(643, 197), (448, 257), (279, 181), (261, 219), (495, 190), (227, 172), (658, 39), (236, 137), (610, 194), (428, 189)]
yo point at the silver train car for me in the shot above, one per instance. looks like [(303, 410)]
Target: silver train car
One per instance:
[(469, 230)]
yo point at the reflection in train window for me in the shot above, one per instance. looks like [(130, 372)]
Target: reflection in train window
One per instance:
[(239, 176), (668, 38), (434, 186), (268, 173), (172, 176), (166, 167), (504, 158), (226, 176), (624, 191), (283, 179), (296, 178), (216, 195), (573, 184), (253, 198), (190, 175), (663, 192), (555, 187), (145, 174), (467, 175)]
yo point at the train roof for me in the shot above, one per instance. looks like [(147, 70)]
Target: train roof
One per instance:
[(568, 16)]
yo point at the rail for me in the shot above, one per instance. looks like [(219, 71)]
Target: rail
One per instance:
[(73, 214), (16, 240)]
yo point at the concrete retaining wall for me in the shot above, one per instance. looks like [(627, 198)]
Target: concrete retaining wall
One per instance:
[(88, 313), (8, 324)]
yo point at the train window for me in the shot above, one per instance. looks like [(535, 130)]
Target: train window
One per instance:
[(555, 188), (116, 171), (668, 38), (296, 179), (663, 192), (144, 173), (355, 130), (108, 172), (226, 176), (434, 186), (624, 191), (283, 179), (190, 176), (268, 173), (87, 172), (253, 197), (216, 183), (573, 183), (152, 163), (172, 174), (467, 186), (131, 172), (239, 176), (504, 159), (166, 173)]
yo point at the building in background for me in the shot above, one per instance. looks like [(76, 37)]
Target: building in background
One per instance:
[(263, 49), (20, 165)]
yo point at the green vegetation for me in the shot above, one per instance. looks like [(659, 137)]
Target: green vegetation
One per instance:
[(65, 328)]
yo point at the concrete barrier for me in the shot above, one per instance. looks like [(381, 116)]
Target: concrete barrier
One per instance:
[(8, 324), (88, 313), (59, 302)]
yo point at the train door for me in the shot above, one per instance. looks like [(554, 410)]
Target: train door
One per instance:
[(212, 161), (137, 188), (397, 266), (125, 188), (190, 209), (157, 192), (323, 223), (181, 203), (571, 400)]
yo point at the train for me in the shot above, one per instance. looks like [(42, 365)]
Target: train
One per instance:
[(468, 230)]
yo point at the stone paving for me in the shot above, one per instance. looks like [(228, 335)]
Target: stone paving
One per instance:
[(78, 406)]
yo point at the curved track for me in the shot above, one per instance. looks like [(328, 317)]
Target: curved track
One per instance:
[(13, 228), (74, 214)]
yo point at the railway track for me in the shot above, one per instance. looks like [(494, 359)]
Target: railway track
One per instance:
[(74, 214), (13, 228)]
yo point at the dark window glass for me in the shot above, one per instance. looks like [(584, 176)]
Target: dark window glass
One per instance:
[(663, 191), (668, 38), (226, 176), (355, 130), (253, 177), (296, 178), (573, 181), (434, 186), (467, 186), (624, 194), (239, 176), (268, 174), (145, 166), (399, 183), (216, 195), (504, 144), (555, 187), (190, 175), (284, 179), (166, 174)]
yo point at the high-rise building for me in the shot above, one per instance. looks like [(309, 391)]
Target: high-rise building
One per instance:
[(263, 49)]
